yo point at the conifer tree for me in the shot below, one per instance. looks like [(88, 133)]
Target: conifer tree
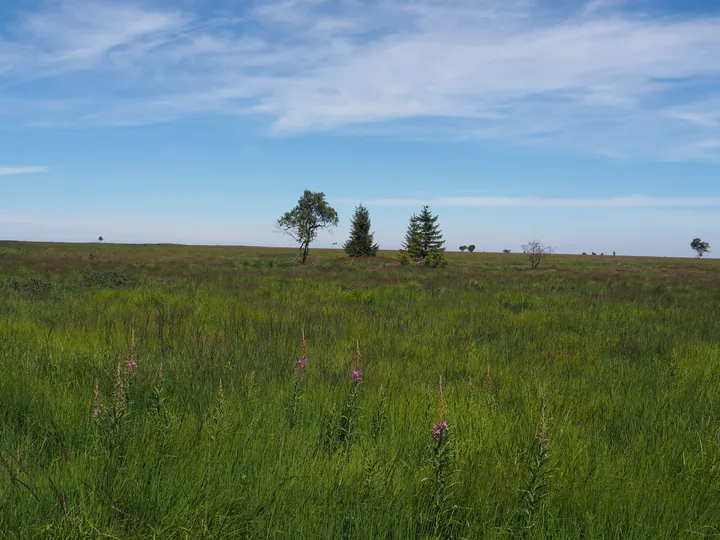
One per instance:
[(430, 234), (412, 245), (423, 240), (360, 243)]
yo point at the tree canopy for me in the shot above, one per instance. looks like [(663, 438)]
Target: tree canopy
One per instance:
[(360, 243), (423, 240), (700, 247), (303, 222)]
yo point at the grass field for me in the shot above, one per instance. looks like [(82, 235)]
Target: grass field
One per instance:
[(582, 399)]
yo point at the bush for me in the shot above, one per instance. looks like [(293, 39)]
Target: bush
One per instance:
[(31, 286), (436, 259), (404, 257), (111, 279)]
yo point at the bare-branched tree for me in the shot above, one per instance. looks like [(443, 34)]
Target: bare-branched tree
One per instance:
[(536, 251)]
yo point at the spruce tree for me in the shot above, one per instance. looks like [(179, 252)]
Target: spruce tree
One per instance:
[(423, 240), (360, 243), (412, 245), (430, 234)]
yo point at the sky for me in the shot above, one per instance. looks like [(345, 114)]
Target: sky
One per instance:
[(591, 126)]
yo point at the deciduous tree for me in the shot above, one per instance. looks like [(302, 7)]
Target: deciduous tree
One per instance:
[(303, 222), (700, 247), (536, 252)]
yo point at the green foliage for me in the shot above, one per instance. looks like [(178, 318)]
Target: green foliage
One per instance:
[(303, 222), (625, 356), (700, 247), (463, 248), (404, 257), (424, 238), (471, 248), (111, 279), (360, 243), (31, 286), (435, 259)]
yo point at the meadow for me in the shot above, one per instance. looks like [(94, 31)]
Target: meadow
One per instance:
[(240, 395)]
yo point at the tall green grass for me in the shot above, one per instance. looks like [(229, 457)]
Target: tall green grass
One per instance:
[(620, 358)]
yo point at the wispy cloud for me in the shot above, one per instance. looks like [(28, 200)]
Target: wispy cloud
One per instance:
[(9, 171), (595, 78), (532, 202)]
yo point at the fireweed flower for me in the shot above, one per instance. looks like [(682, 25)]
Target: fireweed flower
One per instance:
[(302, 358), (440, 430), (356, 375), (302, 362)]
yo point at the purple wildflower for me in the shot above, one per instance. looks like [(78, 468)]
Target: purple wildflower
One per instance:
[(302, 362), (356, 375), (440, 430)]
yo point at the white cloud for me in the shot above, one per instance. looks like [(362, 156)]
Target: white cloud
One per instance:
[(533, 202), (594, 79), (9, 171)]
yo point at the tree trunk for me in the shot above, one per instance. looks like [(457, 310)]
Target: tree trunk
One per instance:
[(306, 248)]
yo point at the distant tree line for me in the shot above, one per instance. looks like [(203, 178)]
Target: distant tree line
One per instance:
[(423, 243)]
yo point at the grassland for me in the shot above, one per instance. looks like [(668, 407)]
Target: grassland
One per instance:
[(622, 354)]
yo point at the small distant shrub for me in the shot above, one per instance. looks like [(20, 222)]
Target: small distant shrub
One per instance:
[(111, 279), (471, 248), (463, 248), (30, 286), (536, 252), (404, 257), (506, 251), (477, 285), (436, 259)]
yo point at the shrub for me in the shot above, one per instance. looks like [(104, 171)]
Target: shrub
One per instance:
[(436, 259), (111, 279)]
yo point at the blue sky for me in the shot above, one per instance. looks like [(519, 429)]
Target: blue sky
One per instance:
[(593, 126)]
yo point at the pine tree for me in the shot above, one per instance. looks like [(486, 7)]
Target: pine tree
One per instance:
[(412, 245), (430, 234), (423, 240), (360, 243)]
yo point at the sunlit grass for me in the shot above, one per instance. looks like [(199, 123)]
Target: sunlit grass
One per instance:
[(625, 354)]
